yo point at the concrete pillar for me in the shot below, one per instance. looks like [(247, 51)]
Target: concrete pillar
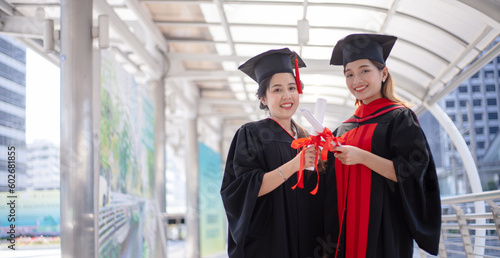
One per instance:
[(77, 178), (157, 91), (96, 119), (192, 172)]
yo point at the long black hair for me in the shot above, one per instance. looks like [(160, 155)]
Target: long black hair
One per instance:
[(301, 132)]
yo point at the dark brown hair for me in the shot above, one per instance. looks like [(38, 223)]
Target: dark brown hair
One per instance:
[(301, 132)]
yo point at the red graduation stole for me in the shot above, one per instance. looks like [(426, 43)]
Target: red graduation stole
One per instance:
[(354, 182)]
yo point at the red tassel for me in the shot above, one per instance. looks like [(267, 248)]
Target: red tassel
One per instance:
[(297, 76)]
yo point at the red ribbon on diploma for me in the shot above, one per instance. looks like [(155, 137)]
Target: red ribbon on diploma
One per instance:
[(315, 140)]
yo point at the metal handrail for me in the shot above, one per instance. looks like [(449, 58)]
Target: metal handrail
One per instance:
[(461, 226), (489, 195)]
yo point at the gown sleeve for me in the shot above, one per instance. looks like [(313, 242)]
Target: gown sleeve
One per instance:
[(417, 180), (247, 214)]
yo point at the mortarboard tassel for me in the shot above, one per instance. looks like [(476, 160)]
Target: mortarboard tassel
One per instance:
[(297, 76)]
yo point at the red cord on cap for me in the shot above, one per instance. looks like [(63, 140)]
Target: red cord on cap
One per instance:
[(297, 76)]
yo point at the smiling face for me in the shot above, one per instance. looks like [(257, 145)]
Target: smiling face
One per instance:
[(282, 98), (364, 80)]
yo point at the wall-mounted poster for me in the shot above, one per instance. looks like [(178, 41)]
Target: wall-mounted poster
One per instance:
[(127, 215), (212, 216)]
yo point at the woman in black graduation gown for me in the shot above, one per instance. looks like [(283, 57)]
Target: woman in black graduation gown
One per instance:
[(266, 217), (382, 179)]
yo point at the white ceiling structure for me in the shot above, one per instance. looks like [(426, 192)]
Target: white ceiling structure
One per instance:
[(197, 45)]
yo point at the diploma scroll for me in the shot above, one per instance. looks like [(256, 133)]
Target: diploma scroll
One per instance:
[(317, 127), (315, 120), (319, 114)]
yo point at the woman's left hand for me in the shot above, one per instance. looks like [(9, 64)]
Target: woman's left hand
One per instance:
[(349, 155)]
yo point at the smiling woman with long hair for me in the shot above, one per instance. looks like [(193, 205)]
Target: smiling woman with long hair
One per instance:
[(381, 183), (266, 217)]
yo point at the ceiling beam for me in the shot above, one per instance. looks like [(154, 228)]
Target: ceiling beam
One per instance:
[(146, 21), (265, 3), (238, 59), (253, 25), (222, 74), (37, 46), (20, 4), (346, 5), (390, 13), (489, 8), (176, 1), (6, 8), (212, 42), (122, 29), (21, 26)]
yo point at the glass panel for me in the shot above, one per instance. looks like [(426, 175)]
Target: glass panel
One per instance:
[(346, 17), (432, 39), (377, 3), (263, 14), (451, 20), (249, 50), (327, 37), (404, 74), (217, 33), (210, 12), (282, 36), (419, 57)]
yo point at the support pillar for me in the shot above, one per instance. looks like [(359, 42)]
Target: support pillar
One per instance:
[(192, 213), (76, 161), (442, 247), (96, 102), (464, 231), (495, 210), (157, 90)]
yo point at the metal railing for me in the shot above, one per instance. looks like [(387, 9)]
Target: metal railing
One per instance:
[(467, 233)]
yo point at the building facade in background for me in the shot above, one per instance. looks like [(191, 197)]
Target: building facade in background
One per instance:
[(43, 166), (474, 107), (12, 111)]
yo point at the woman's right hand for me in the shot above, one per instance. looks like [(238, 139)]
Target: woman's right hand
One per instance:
[(272, 180), (309, 157)]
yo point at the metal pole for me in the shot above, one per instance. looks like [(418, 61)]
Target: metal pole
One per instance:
[(459, 142), (157, 90), (77, 179), (97, 139), (192, 213), (159, 100), (464, 232), (472, 132)]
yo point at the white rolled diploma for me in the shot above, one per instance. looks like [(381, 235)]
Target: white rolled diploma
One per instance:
[(319, 114), (315, 120)]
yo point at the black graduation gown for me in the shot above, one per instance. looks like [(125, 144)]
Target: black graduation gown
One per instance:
[(282, 223), (382, 216)]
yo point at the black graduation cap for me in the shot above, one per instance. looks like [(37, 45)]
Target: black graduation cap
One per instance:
[(362, 46), (271, 62)]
